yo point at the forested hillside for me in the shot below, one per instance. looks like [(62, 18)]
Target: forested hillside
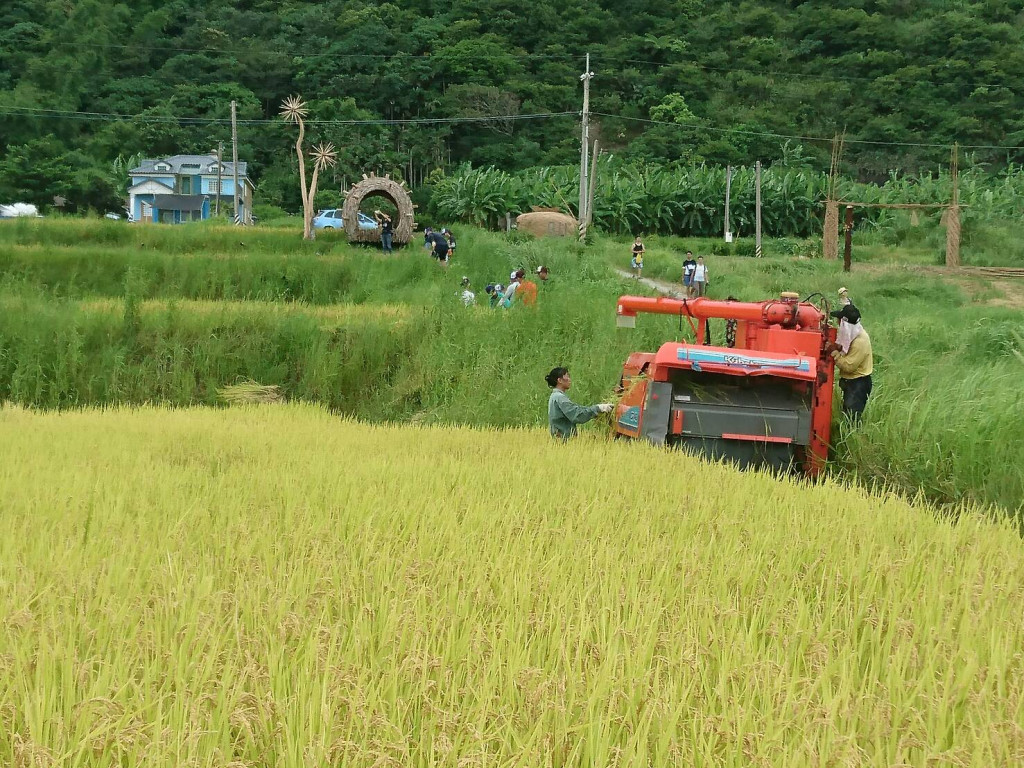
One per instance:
[(676, 81)]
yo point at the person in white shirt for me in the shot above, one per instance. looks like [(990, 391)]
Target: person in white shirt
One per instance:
[(700, 278), (468, 297), (509, 297)]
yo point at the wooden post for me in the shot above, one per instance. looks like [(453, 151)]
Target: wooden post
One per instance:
[(953, 212), (234, 159), (728, 189), (848, 248), (757, 209)]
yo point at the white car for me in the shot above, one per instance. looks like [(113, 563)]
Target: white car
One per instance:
[(331, 219)]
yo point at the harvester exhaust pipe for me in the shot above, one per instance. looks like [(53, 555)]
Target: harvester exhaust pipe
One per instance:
[(786, 311)]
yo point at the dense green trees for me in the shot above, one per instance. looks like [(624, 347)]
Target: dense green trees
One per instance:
[(716, 76)]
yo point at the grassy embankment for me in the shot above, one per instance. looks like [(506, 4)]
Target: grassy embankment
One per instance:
[(102, 312), (276, 587)]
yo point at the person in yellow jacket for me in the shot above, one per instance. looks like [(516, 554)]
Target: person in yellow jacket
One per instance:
[(852, 353)]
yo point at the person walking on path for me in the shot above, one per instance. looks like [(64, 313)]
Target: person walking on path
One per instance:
[(387, 230), (563, 414), (852, 353), (688, 266), (637, 262), (700, 278)]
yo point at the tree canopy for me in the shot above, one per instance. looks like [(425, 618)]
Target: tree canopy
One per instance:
[(677, 82)]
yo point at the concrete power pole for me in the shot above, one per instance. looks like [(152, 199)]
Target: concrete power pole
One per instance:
[(584, 145), (220, 169), (757, 209), (234, 158), (728, 189)]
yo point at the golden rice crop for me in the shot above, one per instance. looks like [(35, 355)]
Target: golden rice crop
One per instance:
[(272, 586), (248, 392)]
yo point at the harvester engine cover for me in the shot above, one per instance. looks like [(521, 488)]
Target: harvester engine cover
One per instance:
[(763, 401)]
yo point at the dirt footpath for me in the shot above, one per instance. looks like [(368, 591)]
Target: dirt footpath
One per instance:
[(1008, 282)]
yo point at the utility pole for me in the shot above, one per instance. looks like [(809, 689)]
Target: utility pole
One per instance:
[(585, 224), (234, 157), (757, 209), (220, 169), (728, 189), (585, 144)]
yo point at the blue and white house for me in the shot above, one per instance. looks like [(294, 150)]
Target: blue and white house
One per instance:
[(172, 190)]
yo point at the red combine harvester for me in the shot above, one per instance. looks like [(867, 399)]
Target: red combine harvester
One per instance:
[(764, 400)]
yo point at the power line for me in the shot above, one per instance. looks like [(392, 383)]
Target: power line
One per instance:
[(797, 137), (107, 116), (57, 114)]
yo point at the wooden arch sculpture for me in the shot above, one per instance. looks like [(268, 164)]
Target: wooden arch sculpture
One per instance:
[(388, 188)]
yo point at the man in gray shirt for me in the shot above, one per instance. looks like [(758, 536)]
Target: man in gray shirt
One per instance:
[(563, 413)]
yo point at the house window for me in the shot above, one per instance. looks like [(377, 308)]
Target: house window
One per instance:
[(186, 185)]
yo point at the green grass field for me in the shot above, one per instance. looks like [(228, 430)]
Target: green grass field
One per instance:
[(98, 313)]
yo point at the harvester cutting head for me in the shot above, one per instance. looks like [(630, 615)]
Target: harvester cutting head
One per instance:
[(764, 399)]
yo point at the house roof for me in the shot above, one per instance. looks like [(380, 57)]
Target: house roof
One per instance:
[(178, 202), (150, 182), (177, 161)]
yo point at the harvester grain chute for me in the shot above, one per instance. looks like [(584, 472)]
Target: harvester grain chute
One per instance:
[(765, 400)]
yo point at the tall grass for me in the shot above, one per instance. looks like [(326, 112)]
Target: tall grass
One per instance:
[(62, 354), (273, 586), (391, 341)]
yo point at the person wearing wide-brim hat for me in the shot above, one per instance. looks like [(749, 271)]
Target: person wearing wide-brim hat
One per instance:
[(852, 353)]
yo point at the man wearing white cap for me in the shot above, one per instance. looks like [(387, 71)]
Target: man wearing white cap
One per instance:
[(844, 298), (515, 278)]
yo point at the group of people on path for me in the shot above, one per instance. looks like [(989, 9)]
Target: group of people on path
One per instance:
[(695, 272)]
